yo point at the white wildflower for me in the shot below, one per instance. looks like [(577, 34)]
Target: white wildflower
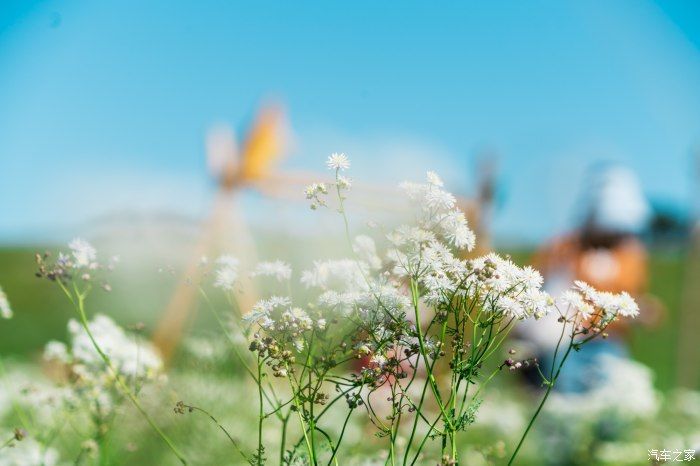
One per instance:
[(297, 318), (507, 288), (344, 182), (343, 302), (576, 303), (383, 299), (268, 305), (511, 307), (437, 199), (315, 189), (587, 290), (84, 254), (225, 278), (227, 273), (434, 179), (454, 228), (411, 236), (610, 304), (261, 312), (338, 161), (627, 306), (132, 359), (437, 212), (266, 322), (316, 193)]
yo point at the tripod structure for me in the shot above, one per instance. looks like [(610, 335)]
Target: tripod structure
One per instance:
[(234, 168)]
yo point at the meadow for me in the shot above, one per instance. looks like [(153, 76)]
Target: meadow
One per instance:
[(396, 354), (22, 338)]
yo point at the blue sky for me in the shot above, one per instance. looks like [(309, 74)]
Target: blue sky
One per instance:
[(103, 105)]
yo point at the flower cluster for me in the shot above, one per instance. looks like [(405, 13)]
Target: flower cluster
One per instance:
[(316, 193), (586, 302), (131, 357), (80, 262), (133, 360), (105, 366), (503, 287), (437, 214), (289, 326)]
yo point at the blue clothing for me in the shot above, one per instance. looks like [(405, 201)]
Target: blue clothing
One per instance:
[(581, 371)]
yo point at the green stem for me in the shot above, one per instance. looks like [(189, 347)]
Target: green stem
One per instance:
[(283, 442), (425, 439), (418, 412), (421, 343), (340, 439), (301, 419), (550, 385), (124, 387), (221, 427), (261, 413), (312, 398)]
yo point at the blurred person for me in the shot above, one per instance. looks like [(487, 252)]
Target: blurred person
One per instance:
[(606, 252)]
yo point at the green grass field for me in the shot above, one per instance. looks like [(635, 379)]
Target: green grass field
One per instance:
[(41, 311), (140, 293)]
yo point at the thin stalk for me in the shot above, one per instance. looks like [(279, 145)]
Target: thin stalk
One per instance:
[(420, 405), (285, 423), (124, 387), (261, 413), (301, 419), (421, 343), (340, 439), (220, 426), (425, 439), (550, 385)]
